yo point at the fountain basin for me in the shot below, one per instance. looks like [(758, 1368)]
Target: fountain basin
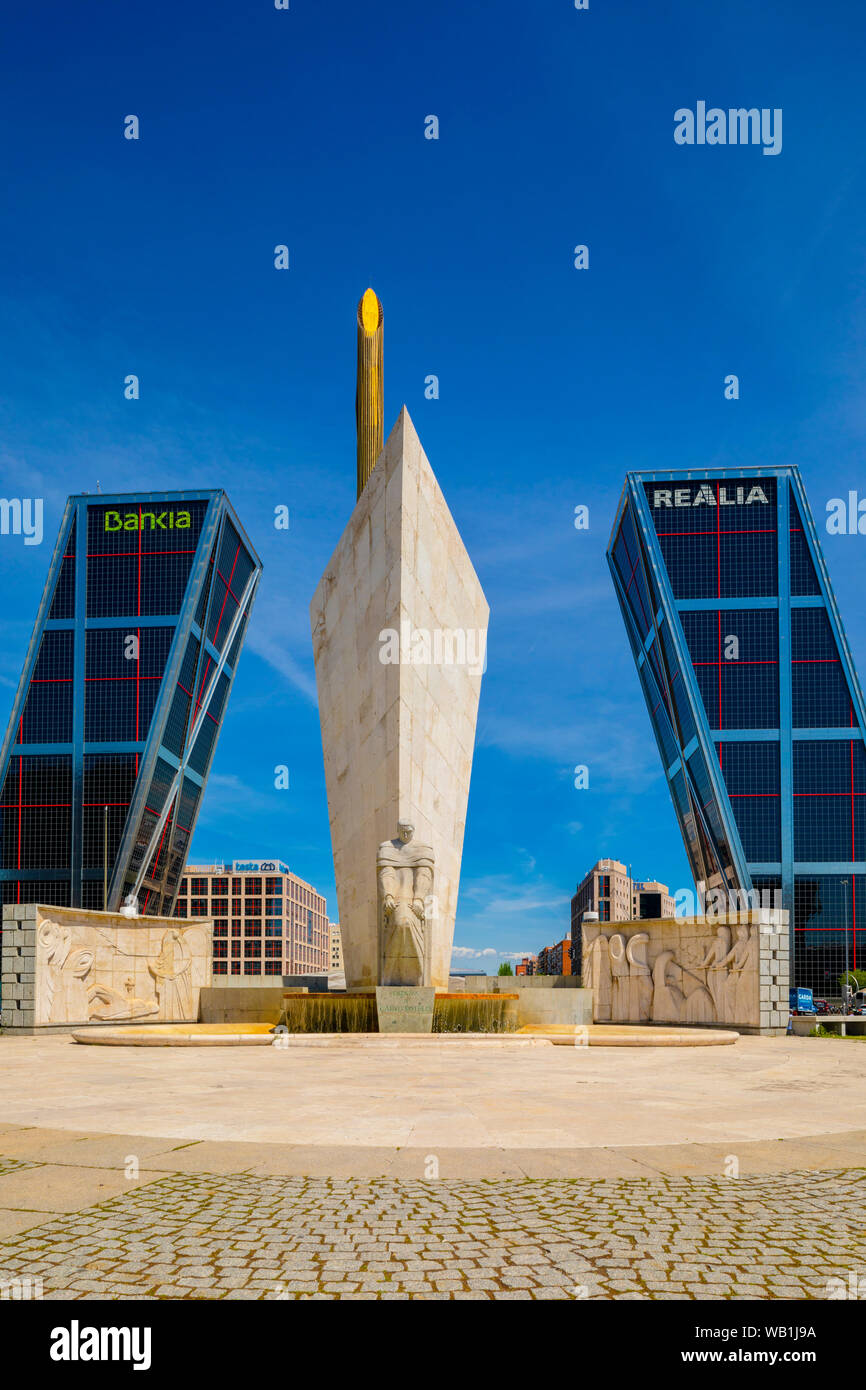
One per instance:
[(263, 1035)]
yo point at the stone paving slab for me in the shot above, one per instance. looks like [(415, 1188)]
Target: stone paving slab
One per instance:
[(768, 1156), (11, 1222), (54, 1187), (205, 1236), (77, 1149), (546, 1098)]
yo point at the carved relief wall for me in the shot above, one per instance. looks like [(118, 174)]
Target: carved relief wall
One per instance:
[(731, 969), (76, 966)]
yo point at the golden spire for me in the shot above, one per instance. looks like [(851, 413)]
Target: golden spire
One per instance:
[(369, 396)]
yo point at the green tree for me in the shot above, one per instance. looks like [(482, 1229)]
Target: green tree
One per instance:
[(856, 979), (505, 968)]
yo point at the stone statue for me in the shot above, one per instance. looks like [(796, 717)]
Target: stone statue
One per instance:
[(404, 871)]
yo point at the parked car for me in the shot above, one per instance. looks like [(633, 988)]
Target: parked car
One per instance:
[(822, 1007)]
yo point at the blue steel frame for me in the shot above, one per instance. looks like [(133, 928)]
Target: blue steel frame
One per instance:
[(219, 509), (706, 740)]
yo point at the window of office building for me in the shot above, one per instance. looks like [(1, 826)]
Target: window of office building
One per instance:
[(63, 598), (804, 580), (818, 687), (829, 800), (828, 908), (109, 781), (751, 773), (120, 688), (36, 806), (628, 559), (47, 714), (735, 655)]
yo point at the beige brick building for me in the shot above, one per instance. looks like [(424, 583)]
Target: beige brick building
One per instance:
[(610, 890), (267, 921), (336, 958)]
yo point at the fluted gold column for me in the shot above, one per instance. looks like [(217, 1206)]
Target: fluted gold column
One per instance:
[(369, 396)]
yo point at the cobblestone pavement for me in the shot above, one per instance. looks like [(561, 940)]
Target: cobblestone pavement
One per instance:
[(205, 1236), (13, 1165)]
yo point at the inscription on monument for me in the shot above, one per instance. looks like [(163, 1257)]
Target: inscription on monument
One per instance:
[(405, 1008)]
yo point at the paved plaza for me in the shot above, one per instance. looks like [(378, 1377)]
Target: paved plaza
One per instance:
[(556, 1173), (238, 1236)]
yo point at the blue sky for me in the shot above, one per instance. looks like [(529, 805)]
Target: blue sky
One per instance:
[(306, 127)]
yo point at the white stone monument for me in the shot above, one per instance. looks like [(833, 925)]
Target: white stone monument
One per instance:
[(399, 625)]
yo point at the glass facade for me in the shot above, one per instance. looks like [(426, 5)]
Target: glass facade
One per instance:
[(120, 702), (753, 697)]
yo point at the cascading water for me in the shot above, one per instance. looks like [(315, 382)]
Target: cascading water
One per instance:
[(356, 1013)]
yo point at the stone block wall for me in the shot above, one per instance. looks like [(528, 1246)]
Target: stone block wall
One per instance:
[(18, 967)]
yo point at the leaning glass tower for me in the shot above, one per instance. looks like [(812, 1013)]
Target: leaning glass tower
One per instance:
[(120, 702), (752, 695)]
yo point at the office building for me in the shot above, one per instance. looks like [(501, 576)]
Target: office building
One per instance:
[(753, 698), (121, 699), (267, 921)]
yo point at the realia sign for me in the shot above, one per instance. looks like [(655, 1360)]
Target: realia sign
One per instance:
[(709, 495)]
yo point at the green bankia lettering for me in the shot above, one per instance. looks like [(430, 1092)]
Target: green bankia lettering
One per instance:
[(148, 521)]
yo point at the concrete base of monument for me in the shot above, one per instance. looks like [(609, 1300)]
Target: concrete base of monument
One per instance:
[(531, 1035)]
